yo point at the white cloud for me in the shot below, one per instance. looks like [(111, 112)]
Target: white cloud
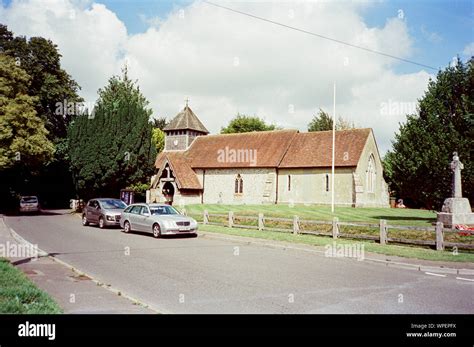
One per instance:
[(432, 37), (228, 63), (469, 50)]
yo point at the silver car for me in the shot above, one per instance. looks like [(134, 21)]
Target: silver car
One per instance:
[(104, 212), (29, 204), (158, 219)]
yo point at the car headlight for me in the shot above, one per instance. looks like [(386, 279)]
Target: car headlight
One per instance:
[(169, 224), (109, 218)]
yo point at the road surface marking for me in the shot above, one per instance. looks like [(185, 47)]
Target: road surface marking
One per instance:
[(465, 279), (433, 274)]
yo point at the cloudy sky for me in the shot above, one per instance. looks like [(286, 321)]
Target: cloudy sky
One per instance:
[(227, 63)]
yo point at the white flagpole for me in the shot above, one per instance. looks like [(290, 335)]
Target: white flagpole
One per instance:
[(333, 148)]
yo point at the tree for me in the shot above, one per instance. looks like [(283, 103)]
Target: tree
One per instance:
[(23, 136), (320, 122), (114, 148), (24, 144), (323, 122), (417, 167), (342, 124), (158, 137), (160, 123), (243, 124), (50, 84)]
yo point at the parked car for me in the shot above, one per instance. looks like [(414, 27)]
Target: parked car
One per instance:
[(29, 204), (104, 212), (159, 219)]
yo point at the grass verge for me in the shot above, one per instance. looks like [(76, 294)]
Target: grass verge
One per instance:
[(395, 250), (395, 216), (19, 295)]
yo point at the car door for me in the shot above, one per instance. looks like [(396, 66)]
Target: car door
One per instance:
[(91, 211), (134, 216), (144, 219)]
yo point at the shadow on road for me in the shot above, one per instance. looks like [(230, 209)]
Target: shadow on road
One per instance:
[(13, 213), (178, 236)]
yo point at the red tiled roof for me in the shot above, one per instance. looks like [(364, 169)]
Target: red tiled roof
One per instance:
[(278, 149), (267, 148), (185, 176), (314, 149)]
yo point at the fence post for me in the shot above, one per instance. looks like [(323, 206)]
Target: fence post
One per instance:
[(383, 231), (231, 219), (439, 236), (335, 228), (296, 224), (205, 219), (260, 221)]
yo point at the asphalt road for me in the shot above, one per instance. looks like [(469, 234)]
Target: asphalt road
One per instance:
[(204, 275)]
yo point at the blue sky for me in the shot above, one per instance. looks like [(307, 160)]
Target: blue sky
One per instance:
[(441, 28), (226, 63), (452, 21)]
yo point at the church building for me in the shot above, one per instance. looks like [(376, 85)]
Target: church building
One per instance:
[(268, 167)]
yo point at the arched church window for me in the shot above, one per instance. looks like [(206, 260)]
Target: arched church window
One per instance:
[(239, 185), (371, 174)]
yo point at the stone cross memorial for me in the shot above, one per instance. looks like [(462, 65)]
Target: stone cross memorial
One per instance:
[(456, 210), (457, 166)]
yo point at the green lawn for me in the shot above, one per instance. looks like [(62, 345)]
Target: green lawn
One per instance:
[(393, 216), (369, 246), (19, 295)]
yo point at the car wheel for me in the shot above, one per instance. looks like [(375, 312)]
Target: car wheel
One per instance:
[(126, 227), (84, 220), (156, 230), (101, 223)]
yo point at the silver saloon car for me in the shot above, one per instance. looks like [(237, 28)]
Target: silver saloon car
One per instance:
[(158, 219)]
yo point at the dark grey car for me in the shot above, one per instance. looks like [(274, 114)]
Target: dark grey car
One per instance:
[(104, 212)]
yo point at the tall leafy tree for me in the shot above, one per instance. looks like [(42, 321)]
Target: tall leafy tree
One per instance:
[(50, 85), (417, 167), (23, 136), (113, 148), (158, 137), (160, 123), (323, 122), (24, 143), (243, 124)]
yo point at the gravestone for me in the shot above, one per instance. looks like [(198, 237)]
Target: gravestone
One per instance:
[(456, 210)]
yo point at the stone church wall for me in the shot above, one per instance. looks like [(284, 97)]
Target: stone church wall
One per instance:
[(219, 186), (380, 196), (309, 186)]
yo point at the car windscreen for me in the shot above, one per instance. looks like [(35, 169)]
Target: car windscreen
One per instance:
[(162, 210), (112, 203), (29, 199)]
